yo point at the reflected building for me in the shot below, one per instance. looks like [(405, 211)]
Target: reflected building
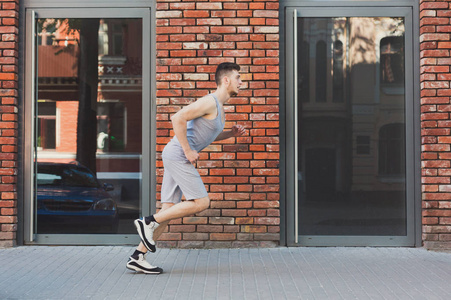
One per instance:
[(351, 123), (117, 107)]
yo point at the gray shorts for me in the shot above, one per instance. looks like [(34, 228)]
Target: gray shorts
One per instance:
[(179, 178)]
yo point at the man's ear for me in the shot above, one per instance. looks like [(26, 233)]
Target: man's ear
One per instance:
[(226, 80)]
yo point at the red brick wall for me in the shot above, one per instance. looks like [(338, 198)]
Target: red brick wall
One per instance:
[(8, 124), (67, 135), (435, 47), (242, 174)]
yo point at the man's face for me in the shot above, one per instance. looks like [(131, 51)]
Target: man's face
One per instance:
[(234, 83)]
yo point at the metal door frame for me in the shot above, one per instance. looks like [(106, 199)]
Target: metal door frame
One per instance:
[(289, 232), (148, 163)]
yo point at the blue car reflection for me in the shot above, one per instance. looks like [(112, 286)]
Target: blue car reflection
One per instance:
[(71, 200)]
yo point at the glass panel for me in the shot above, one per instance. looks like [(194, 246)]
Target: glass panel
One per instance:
[(89, 116), (351, 126)]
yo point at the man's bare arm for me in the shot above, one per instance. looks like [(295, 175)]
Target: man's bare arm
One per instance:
[(237, 130)]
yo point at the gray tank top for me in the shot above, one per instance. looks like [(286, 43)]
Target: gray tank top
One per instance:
[(200, 132)]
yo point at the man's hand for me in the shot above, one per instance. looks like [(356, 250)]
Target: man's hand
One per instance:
[(238, 130), (192, 156)]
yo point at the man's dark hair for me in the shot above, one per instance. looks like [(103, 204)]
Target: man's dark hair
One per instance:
[(223, 69)]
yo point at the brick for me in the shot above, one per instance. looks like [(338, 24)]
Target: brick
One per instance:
[(236, 21), (437, 196), (435, 69), (436, 229), (209, 212), (170, 236), (253, 228), (7, 235), (189, 244), (266, 14), (257, 213), (166, 244), (434, 21), (444, 45), (195, 220), (234, 6), (434, 53), (433, 5), (244, 13), (218, 244), (210, 21), (182, 6), (234, 212), (196, 236), (168, 30), (182, 228), (222, 220), (428, 13), (196, 14), (209, 228), (266, 204), (169, 14), (266, 236), (443, 28), (223, 14), (244, 244), (8, 219), (209, 6), (222, 236)]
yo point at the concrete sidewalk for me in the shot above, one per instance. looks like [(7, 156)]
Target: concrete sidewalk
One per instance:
[(42, 272)]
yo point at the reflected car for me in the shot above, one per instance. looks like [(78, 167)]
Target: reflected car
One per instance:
[(70, 199)]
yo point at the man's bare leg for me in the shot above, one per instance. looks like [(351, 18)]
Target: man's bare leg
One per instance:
[(147, 226), (182, 209)]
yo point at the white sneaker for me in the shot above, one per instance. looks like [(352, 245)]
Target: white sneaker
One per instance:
[(141, 265), (146, 233)]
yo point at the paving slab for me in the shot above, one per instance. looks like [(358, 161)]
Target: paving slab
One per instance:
[(79, 272)]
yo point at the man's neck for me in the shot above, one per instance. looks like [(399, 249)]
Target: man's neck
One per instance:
[(222, 94)]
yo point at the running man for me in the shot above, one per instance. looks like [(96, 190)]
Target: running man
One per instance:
[(196, 126)]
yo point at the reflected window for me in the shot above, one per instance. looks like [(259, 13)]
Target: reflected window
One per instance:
[(103, 38), (321, 71), (111, 126), (338, 78), (46, 33), (46, 132), (392, 150), (304, 72), (111, 37), (392, 60), (363, 144)]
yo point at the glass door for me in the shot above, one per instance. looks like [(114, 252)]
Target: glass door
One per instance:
[(352, 105), (89, 148)]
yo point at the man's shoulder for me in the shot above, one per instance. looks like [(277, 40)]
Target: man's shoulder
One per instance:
[(207, 98), (207, 101)]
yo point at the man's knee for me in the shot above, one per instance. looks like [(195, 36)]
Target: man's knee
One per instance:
[(166, 205), (203, 203)]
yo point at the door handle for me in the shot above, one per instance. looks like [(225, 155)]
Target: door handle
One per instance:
[(295, 86), (33, 101)]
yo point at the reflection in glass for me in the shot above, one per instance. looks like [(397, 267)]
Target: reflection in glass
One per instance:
[(89, 115), (321, 71), (351, 127), (304, 74)]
